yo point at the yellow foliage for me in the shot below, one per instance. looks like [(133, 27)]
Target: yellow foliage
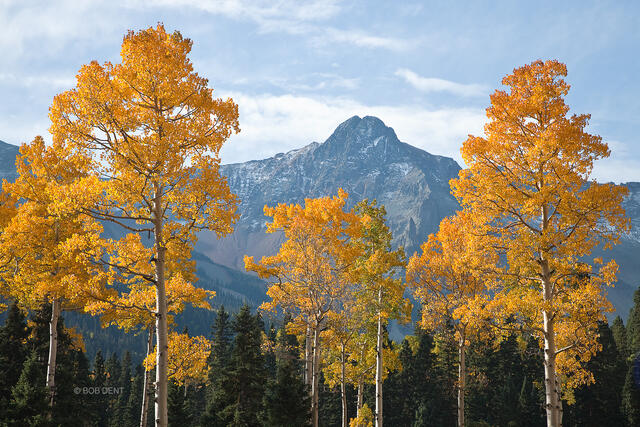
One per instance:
[(135, 308), (47, 249), (187, 359), (147, 133), (364, 419), (451, 278), (310, 272), (527, 185)]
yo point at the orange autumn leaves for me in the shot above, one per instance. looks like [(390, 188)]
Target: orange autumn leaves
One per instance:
[(136, 145)]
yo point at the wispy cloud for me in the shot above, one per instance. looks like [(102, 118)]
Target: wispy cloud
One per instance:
[(291, 17), (362, 39), (37, 80), (430, 84)]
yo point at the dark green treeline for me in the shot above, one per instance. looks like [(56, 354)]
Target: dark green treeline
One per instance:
[(253, 384)]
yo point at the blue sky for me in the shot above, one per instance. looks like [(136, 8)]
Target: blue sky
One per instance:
[(299, 68)]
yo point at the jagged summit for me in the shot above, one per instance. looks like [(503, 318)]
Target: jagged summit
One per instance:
[(357, 136), (363, 156), (362, 129)]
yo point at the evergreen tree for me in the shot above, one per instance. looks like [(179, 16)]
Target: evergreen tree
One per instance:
[(631, 388), (270, 355), (13, 354), (631, 396), (100, 401), (620, 337), (121, 415), (179, 413), (633, 326), (329, 404), (30, 397), (71, 368), (114, 370), (419, 393), (598, 404), (134, 403), (446, 350), (397, 390), (218, 396), (286, 399), (247, 369)]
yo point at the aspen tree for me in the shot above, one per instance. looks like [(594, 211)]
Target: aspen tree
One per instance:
[(450, 280), (153, 131), (311, 271), (45, 247), (528, 179)]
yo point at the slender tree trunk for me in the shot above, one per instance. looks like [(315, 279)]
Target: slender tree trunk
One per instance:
[(462, 379), (360, 397), (552, 395), (343, 388), (146, 389), (379, 365), (316, 376), (53, 349), (553, 402), (308, 362), (162, 353)]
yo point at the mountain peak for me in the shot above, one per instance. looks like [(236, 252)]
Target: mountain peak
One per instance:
[(369, 126), (358, 136)]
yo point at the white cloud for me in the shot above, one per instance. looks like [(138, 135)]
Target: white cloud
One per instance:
[(41, 80), (429, 84), (48, 26), (362, 39), (291, 17), (272, 124)]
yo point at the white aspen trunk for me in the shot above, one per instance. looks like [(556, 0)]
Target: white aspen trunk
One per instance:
[(360, 397), (308, 362), (162, 353), (343, 389), (553, 401), (379, 365), (462, 379), (146, 384), (316, 376), (53, 350), (552, 398)]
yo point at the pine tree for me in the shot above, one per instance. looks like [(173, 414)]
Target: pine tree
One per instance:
[(599, 403), (247, 369), (633, 325), (30, 398), (631, 398), (113, 369), (619, 332), (100, 401), (122, 411), (423, 389), (286, 399), (398, 409), (13, 353), (135, 397), (218, 397), (179, 414), (71, 367), (631, 389)]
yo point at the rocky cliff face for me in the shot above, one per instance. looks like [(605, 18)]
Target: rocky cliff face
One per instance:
[(365, 158)]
